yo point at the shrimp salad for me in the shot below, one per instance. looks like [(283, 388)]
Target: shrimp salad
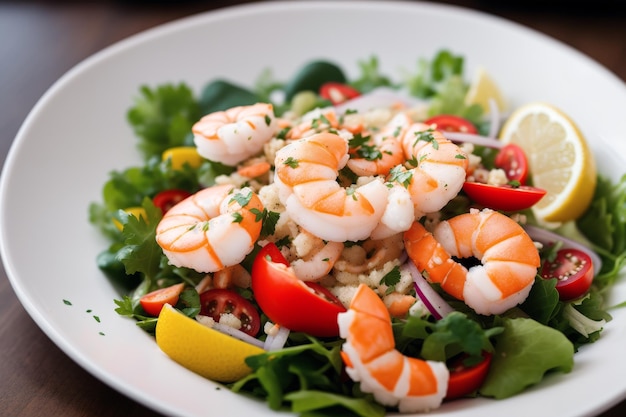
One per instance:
[(325, 219)]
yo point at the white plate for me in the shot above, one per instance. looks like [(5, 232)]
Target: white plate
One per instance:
[(77, 134)]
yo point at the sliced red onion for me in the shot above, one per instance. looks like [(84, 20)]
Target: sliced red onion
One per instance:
[(473, 138), (494, 119), (545, 237), (381, 97), (237, 334), (437, 306), (276, 341)]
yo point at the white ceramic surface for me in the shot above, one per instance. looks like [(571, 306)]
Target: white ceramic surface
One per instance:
[(77, 134)]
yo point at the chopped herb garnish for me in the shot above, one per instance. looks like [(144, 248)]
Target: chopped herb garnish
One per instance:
[(237, 217), (400, 175), (268, 120), (291, 162), (67, 303), (391, 278), (242, 199)]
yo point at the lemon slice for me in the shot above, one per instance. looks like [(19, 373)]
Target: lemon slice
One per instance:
[(482, 89), (200, 349), (559, 160)]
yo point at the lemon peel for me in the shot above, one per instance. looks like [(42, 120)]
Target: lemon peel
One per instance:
[(559, 159), (203, 350)]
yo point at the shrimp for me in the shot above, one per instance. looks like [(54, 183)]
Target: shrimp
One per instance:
[(508, 256), (306, 171), (212, 229), (439, 168), (371, 357), (236, 134), (385, 150), (315, 258)]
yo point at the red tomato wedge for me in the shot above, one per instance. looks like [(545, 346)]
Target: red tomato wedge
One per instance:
[(338, 93), (218, 301), (297, 305), (573, 270), (503, 197), (167, 199), (466, 380), (512, 160), (154, 301), (452, 123)]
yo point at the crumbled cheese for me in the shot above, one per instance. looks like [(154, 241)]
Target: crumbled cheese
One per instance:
[(229, 319), (497, 177), (205, 320), (271, 329)]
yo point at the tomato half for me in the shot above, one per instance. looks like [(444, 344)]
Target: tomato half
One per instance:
[(297, 305), (503, 197), (337, 93), (512, 159), (466, 380), (153, 302), (452, 123), (167, 199), (218, 301), (573, 270)]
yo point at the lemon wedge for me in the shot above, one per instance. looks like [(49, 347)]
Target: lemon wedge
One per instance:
[(205, 351), (559, 160), (482, 89)]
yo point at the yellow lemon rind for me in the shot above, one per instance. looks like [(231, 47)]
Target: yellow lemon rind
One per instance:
[(205, 351), (576, 197)]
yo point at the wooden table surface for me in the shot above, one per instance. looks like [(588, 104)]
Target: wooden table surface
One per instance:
[(39, 41)]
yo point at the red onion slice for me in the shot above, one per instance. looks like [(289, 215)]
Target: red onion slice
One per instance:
[(437, 306), (381, 97), (276, 341), (545, 237), (237, 334)]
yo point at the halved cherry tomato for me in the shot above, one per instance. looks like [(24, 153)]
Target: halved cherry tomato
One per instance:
[(503, 197), (337, 93), (452, 123), (154, 301), (573, 270), (218, 301), (465, 380), (167, 199), (512, 159), (286, 300)]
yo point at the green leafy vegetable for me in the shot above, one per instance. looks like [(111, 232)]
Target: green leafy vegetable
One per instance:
[(162, 117), (525, 351)]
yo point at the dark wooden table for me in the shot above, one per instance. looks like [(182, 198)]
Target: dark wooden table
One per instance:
[(41, 40)]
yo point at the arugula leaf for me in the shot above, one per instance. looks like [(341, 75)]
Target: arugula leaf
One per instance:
[(313, 368), (525, 351), (162, 117), (604, 224), (306, 401)]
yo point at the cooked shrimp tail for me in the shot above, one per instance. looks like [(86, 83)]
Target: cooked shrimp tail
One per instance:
[(509, 259), (371, 358), (212, 229)]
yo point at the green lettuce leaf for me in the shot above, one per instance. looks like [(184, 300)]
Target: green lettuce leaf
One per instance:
[(525, 351)]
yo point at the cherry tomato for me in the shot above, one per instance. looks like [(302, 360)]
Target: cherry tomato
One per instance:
[(512, 159), (465, 380), (218, 301), (452, 123), (337, 93), (154, 301), (503, 197), (167, 199), (286, 300), (573, 270)]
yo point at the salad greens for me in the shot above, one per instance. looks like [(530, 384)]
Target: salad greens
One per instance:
[(538, 337)]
